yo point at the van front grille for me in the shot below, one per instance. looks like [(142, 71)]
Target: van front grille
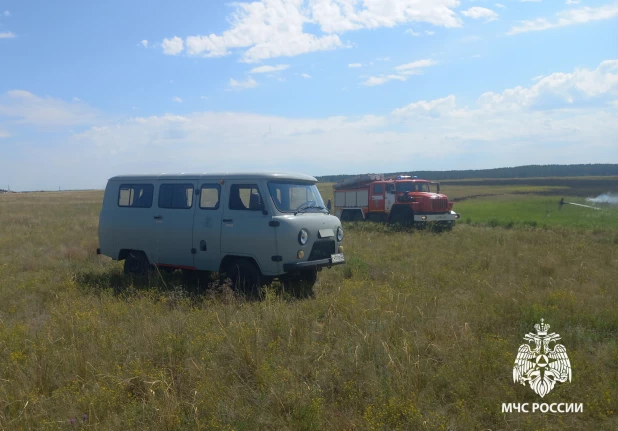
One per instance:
[(322, 249)]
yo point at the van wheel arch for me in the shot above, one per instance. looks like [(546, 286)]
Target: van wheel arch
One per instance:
[(228, 259)]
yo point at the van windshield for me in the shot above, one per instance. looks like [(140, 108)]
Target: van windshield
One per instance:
[(292, 197)]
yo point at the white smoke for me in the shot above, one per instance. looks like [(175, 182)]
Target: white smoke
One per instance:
[(605, 198)]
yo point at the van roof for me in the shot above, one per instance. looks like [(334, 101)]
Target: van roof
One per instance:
[(220, 175)]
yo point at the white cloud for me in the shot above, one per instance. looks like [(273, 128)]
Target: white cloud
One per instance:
[(305, 75), (275, 28), (6, 13), (242, 85), (429, 32), (355, 65), (336, 16), (269, 69), (4, 133), (566, 18), (24, 107), (403, 72), (552, 93), (501, 6), (144, 43), (480, 12), (412, 32), (558, 89), (572, 1), (379, 80), (415, 67), (177, 99), (432, 108), (530, 1), (7, 35), (172, 46)]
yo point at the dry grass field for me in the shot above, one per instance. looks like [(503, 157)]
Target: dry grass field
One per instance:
[(418, 331)]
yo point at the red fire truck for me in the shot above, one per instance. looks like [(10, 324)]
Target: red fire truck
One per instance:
[(405, 200)]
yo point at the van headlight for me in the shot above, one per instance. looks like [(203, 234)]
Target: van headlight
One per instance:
[(339, 234), (303, 237)]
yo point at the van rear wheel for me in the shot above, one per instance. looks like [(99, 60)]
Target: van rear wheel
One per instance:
[(246, 277), (136, 263)]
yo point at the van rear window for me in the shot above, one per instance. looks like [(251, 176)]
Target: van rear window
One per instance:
[(135, 195), (176, 196)]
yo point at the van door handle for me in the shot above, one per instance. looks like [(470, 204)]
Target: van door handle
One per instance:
[(158, 217), (227, 220)]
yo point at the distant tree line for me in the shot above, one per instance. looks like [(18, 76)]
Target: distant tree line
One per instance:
[(528, 171)]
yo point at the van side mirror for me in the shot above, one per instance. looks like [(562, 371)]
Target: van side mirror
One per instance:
[(329, 205)]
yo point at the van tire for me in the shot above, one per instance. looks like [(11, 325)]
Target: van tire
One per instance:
[(136, 263), (246, 277), (300, 285)]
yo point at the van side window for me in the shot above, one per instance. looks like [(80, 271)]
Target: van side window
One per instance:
[(209, 196), (245, 197), (135, 195), (176, 196), (378, 189)]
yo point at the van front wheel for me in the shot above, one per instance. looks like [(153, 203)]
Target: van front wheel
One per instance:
[(245, 277), (300, 285)]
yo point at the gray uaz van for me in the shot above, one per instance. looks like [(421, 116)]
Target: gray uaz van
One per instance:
[(252, 226)]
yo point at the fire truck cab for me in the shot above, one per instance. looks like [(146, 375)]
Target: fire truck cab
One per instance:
[(404, 200)]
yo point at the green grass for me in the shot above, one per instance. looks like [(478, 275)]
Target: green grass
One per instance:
[(418, 331), (538, 211)]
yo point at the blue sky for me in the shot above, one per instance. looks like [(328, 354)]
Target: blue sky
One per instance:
[(91, 90)]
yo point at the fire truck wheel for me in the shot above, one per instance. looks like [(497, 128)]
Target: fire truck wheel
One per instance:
[(402, 217)]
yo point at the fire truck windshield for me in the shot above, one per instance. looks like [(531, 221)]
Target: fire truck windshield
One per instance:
[(409, 186), (292, 197)]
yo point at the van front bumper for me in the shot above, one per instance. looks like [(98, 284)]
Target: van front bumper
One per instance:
[(312, 264)]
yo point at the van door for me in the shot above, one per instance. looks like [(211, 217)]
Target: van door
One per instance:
[(173, 217), (245, 228), (207, 227)]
